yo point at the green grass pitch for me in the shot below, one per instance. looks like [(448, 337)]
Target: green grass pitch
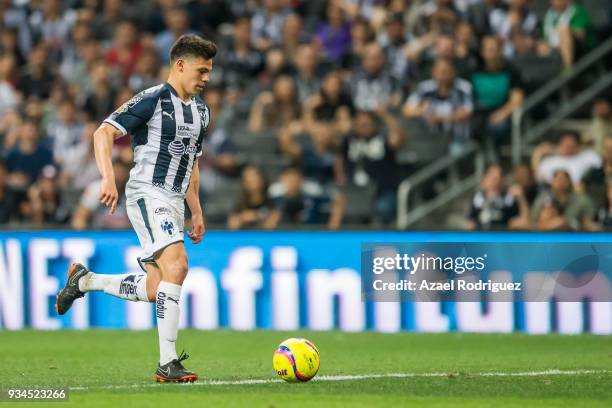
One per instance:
[(115, 369)]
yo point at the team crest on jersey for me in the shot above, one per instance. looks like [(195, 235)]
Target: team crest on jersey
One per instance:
[(205, 116), (168, 227)]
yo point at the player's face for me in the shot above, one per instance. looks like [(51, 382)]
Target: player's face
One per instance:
[(195, 74)]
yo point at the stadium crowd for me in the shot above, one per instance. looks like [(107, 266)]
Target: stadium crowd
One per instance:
[(312, 103)]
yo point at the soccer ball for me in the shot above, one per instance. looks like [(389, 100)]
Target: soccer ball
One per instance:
[(296, 360)]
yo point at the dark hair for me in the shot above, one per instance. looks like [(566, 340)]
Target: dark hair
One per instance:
[(570, 133), (191, 45)]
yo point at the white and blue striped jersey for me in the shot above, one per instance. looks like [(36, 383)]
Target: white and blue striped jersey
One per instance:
[(167, 136)]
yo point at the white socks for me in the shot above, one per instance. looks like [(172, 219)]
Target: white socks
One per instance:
[(129, 286), (167, 312), (134, 287)]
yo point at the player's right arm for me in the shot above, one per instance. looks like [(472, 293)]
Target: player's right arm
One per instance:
[(103, 140), (126, 119)]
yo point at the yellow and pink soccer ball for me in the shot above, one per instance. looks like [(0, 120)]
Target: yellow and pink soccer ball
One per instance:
[(296, 360)]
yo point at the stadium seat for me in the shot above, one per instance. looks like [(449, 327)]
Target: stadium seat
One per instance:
[(219, 203), (360, 203)]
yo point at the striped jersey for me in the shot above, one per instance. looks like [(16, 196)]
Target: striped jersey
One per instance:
[(167, 136)]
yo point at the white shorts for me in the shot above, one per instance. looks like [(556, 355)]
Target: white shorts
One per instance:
[(158, 223)]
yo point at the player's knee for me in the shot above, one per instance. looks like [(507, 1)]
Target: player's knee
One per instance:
[(178, 271)]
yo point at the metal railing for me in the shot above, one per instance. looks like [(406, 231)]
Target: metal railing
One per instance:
[(407, 216), (522, 136)]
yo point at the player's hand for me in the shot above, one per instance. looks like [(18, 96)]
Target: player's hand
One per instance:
[(197, 232), (109, 196)]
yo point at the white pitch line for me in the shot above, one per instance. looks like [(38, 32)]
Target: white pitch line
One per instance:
[(323, 378)]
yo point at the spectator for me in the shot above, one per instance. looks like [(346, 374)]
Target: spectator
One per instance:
[(267, 24), (303, 202), (16, 17), (240, 61), (78, 75), (331, 104), (45, 205), (315, 154), (145, 72), (568, 155), (334, 34), (64, 131), (80, 34), (220, 160), (394, 40), (368, 157), (603, 216), (177, 23), (277, 108), (503, 21), (600, 127), (493, 205), (497, 94), (126, 50), (52, 24), (37, 78), (100, 100), (113, 12), (607, 156), (562, 207), (26, 160), (361, 35), (307, 75), (372, 86), (479, 15), (208, 15), (524, 178), (275, 65), (254, 208), (9, 45), (445, 103), (81, 170), (90, 213), (9, 196), (567, 28), (8, 94), (293, 36), (465, 50)]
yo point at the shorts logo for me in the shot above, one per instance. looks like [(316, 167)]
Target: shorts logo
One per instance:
[(168, 227), (162, 211)]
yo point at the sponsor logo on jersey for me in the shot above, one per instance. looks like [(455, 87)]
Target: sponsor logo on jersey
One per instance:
[(177, 148)]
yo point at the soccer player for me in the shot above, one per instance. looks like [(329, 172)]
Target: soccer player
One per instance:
[(167, 124)]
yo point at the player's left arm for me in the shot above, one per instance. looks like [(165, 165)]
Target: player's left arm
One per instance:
[(193, 201)]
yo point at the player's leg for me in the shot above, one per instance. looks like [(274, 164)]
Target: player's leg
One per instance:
[(172, 261), (129, 286), (154, 276)]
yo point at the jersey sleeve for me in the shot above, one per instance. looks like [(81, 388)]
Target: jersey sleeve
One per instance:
[(133, 114), (205, 120)]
